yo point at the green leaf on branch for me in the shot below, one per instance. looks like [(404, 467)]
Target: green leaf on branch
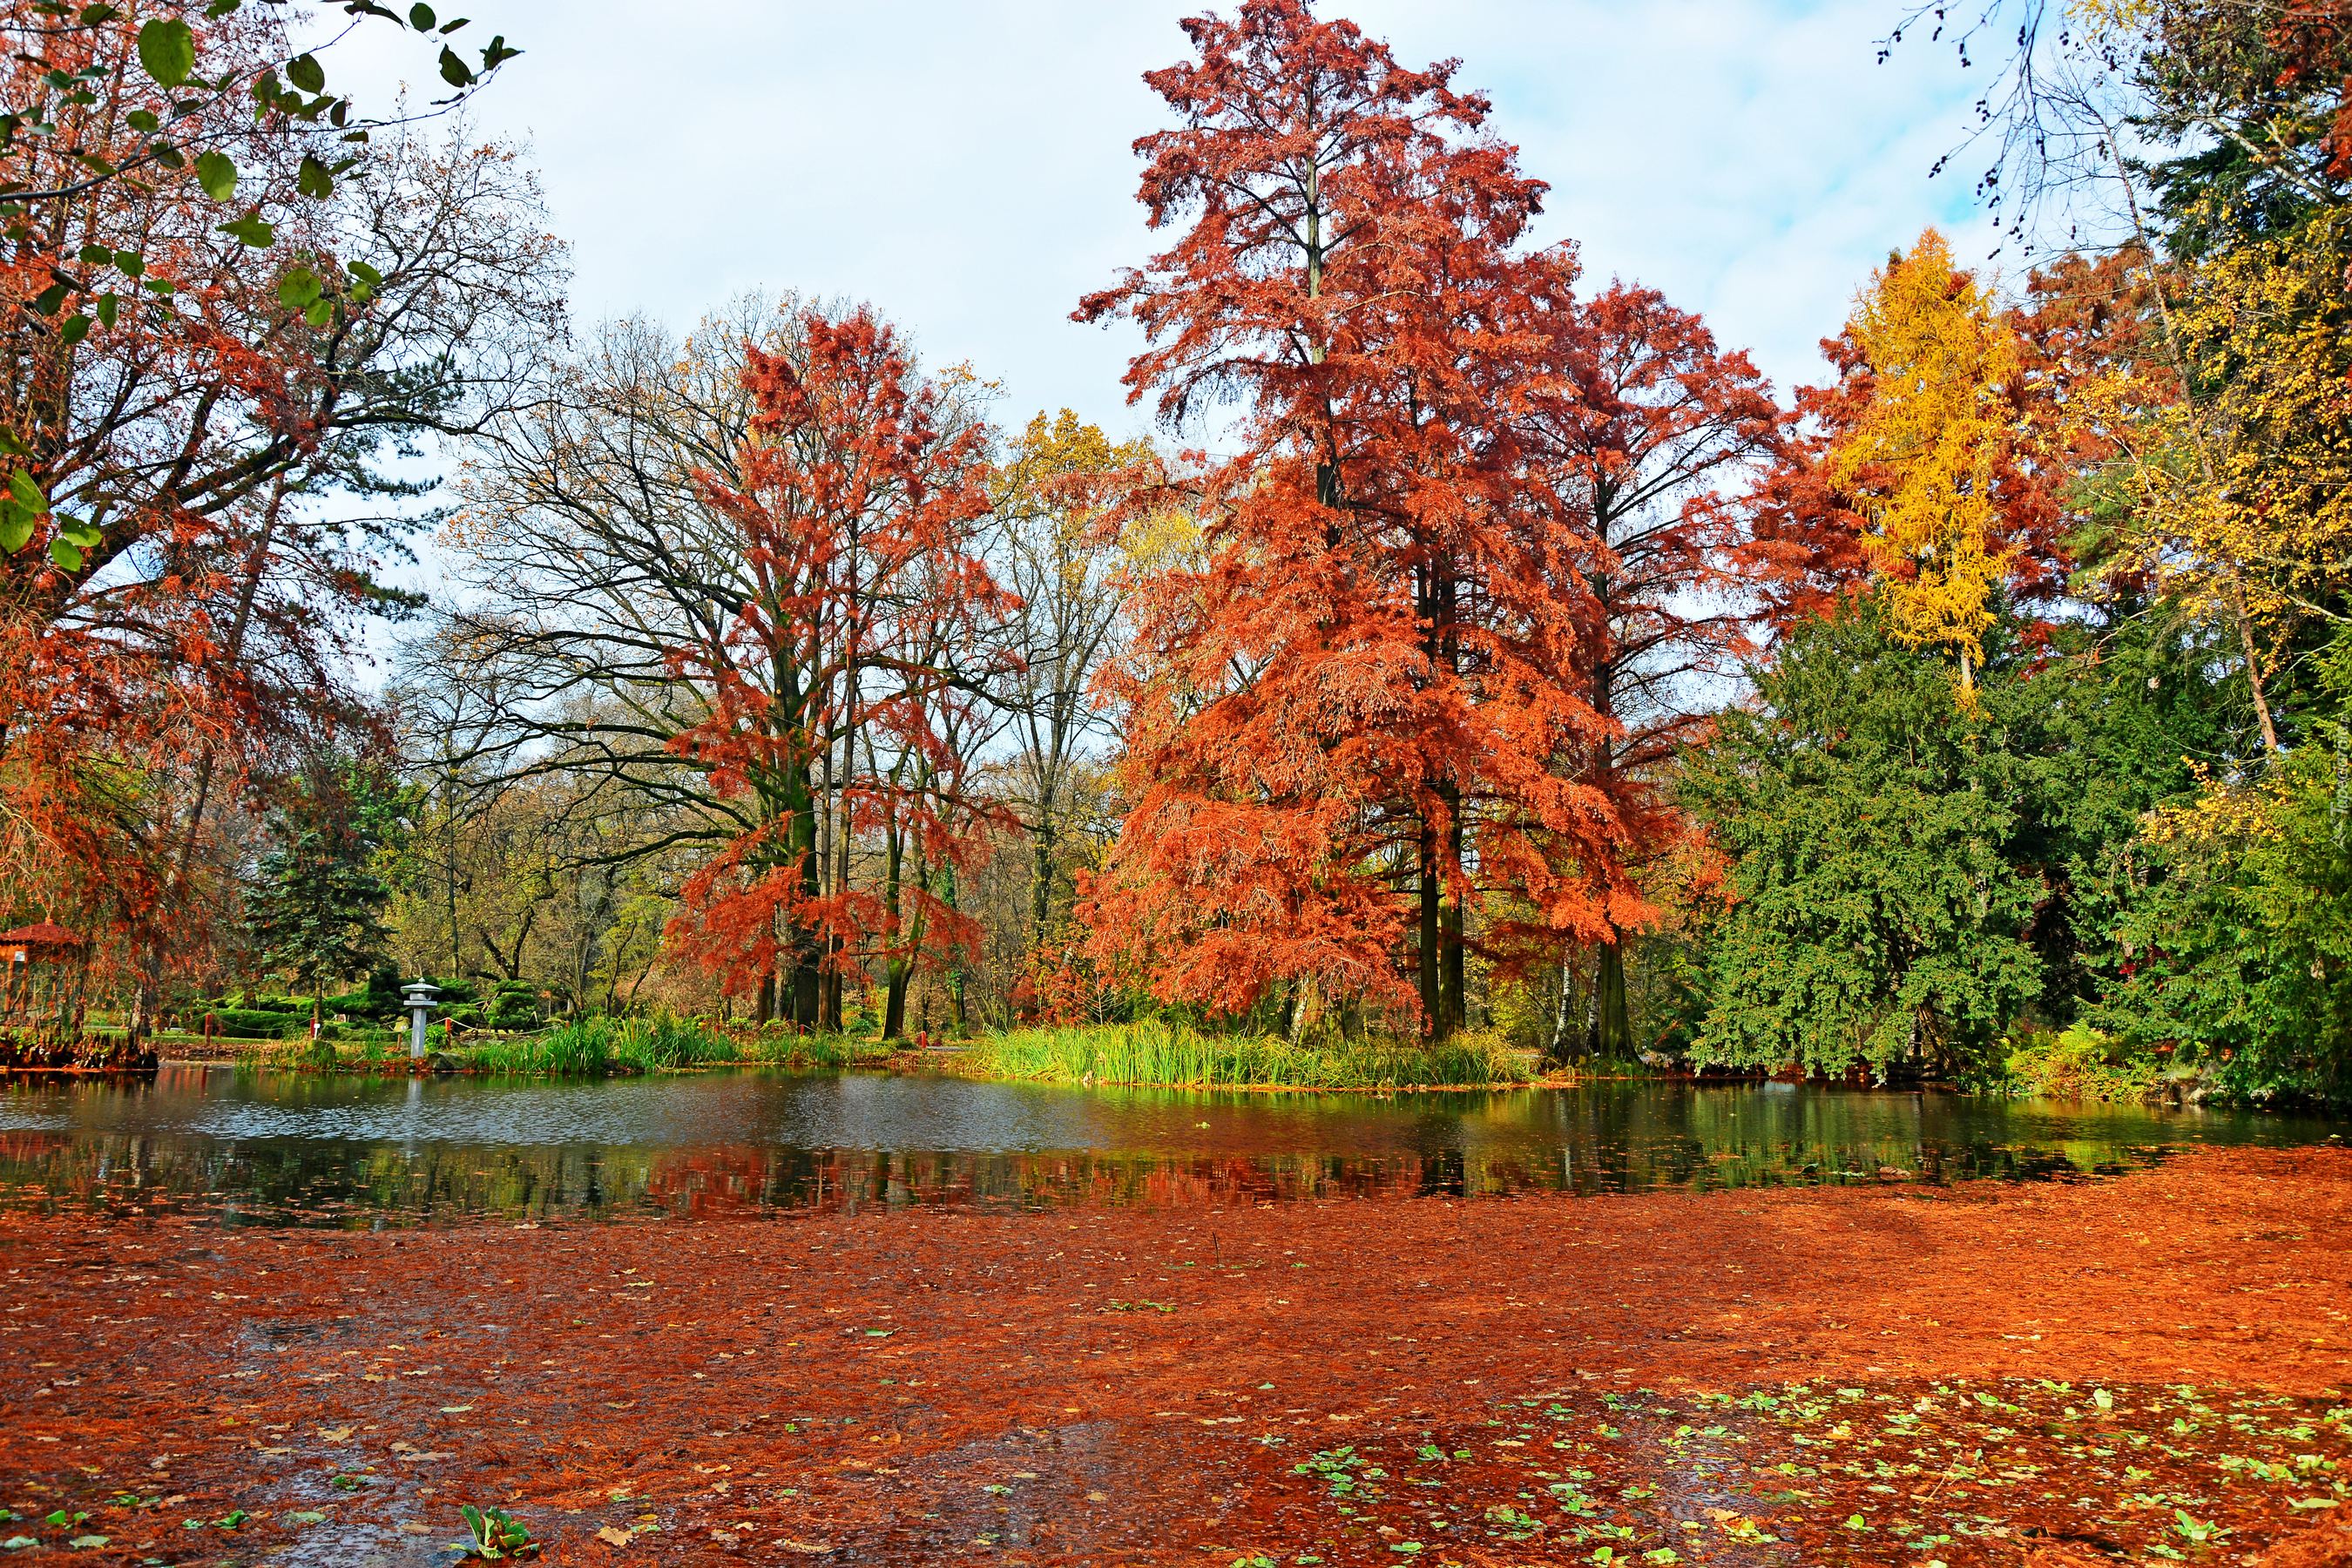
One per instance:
[(217, 171), (497, 54), (313, 179), (169, 155), (75, 328), (65, 556), (24, 493), (222, 7), (94, 255), (420, 16), (298, 289), (321, 313), (143, 120), (94, 15), (252, 231), (454, 72), (304, 72), (167, 49), (16, 526), (108, 308), (48, 300), (81, 535), (130, 263)]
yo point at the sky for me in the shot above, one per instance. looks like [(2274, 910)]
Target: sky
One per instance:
[(968, 168)]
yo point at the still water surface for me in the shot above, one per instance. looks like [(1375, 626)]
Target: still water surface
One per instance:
[(277, 1149)]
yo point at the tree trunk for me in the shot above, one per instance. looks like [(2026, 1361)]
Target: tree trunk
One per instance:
[(1612, 1032), (1452, 990), (1433, 1015), (955, 970), (1042, 893), (1558, 1048), (900, 965)]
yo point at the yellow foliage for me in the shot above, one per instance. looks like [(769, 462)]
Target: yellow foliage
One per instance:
[(1033, 487), (1920, 461), (2224, 813), (2266, 508), (2107, 18)]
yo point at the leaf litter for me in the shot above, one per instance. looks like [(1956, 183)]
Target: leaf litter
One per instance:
[(2148, 1370)]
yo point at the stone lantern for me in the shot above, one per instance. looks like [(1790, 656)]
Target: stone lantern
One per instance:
[(419, 994)]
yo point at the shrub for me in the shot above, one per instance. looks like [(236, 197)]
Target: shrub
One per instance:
[(248, 1023), (2081, 1063)]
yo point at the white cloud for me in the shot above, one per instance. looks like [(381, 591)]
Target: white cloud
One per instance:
[(966, 166)]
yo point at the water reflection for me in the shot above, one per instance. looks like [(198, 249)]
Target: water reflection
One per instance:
[(290, 1149)]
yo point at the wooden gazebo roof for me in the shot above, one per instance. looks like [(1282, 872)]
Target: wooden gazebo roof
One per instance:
[(48, 933)]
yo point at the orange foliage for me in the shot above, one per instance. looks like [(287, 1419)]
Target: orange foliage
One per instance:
[(168, 432), (859, 488), (1373, 700)]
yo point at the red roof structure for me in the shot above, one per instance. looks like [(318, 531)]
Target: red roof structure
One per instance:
[(48, 933)]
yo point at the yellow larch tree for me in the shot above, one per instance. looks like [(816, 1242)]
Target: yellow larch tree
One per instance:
[(1919, 463)]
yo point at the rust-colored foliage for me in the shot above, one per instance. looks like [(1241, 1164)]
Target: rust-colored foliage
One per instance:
[(170, 627), (1637, 424), (894, 1372), (859, 487), (1373, 700), (2313, 39)]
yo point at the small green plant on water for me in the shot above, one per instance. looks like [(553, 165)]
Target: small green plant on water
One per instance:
[(2196, 1531), (493, 1533)]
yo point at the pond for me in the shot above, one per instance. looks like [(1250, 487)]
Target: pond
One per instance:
[(279, 1149)]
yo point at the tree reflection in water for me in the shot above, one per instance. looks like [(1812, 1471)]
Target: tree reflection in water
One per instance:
[(270, 1149)]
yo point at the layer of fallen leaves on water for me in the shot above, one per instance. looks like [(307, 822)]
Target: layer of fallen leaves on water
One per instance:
[(1743, 1382), (1959, 1472)]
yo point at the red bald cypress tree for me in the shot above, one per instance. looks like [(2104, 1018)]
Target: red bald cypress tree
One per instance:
[(1370, 702), (862, 622), (1641, 424)]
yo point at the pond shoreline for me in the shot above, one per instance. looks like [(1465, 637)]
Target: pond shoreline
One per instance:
[(1120, 1385)]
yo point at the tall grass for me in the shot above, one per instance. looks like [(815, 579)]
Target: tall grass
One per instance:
[(599, 1047), (777, 1047), (1160, 1054)]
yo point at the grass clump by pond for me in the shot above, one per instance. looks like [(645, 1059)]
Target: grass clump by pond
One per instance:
[(1168, 1055), (601, 1046), (1153, 1054)]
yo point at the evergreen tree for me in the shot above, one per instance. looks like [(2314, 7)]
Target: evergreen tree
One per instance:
[(1911, 878), (318, 911)]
